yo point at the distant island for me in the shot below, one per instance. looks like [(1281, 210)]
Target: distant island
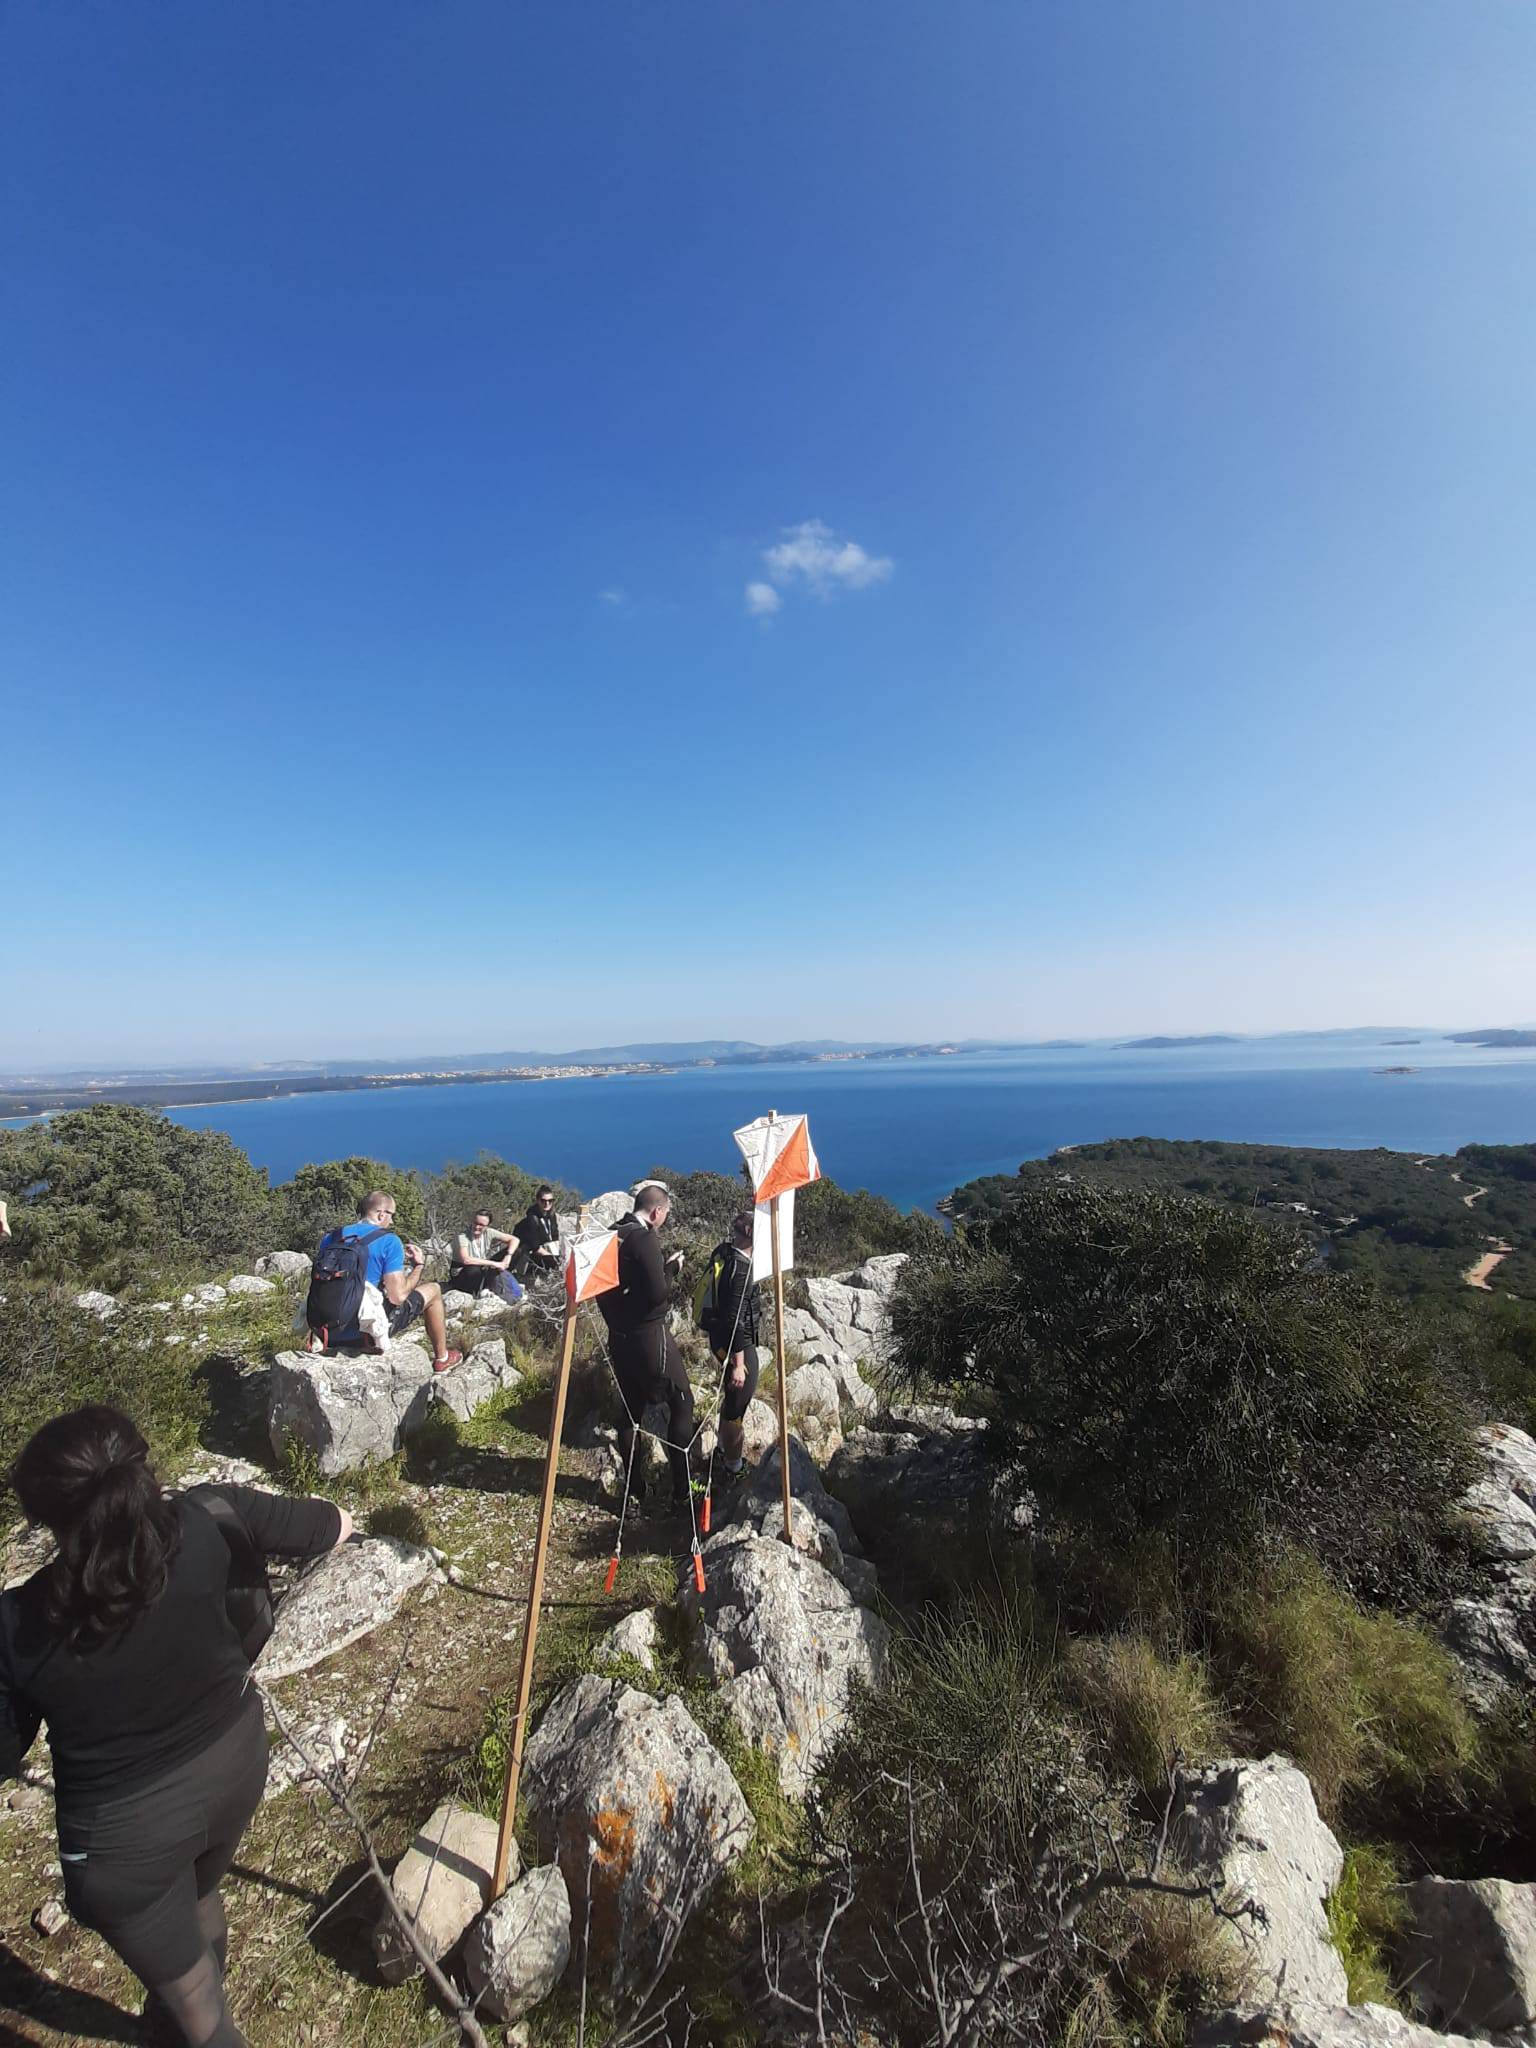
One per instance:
[(1163, 1044), (1492, 1038)]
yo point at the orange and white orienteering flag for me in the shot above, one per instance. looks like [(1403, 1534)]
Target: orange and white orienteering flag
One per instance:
[(592, 1267), (778, 1153), (780, 1159)]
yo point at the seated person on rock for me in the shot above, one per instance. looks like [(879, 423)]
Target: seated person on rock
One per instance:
[(406, 1295), (481, 1258), (538, 1238), (646, 1361), (727, 1314)]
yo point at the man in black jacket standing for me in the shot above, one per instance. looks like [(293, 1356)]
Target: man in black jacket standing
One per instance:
[(646, 1361)]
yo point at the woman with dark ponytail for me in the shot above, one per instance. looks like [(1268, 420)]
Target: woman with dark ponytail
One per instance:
[(124, 1645)]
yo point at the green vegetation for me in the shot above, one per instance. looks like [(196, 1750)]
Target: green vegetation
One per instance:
[(1393, 1219), (1366, 1916), (1124, 1341), (1145, 1709)]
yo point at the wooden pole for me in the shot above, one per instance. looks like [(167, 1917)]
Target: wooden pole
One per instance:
[(535, 1600), (778, 1312)]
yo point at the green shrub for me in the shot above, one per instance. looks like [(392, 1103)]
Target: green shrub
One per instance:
[(1366, 1703), (1166, 1367), (1145, 1709), (322, 1196), (54, 1357), (401, 1519), (1366, 1915), (96, 1194)]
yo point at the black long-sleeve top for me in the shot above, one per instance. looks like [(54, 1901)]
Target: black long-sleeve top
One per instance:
[(540, 1227), (733, 1319), (645, 1288), (136, 1706)]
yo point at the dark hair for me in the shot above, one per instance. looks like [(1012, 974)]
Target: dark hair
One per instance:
[(540, 1193), (87, 1477), (482, 1212)]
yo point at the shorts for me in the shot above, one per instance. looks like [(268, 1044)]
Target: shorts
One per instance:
[(136, 1866), (403, 1313), (733, 1400)]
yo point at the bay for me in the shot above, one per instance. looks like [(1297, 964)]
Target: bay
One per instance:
[(912, 1129)]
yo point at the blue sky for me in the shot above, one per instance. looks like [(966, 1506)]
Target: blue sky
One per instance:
[(533, 524)]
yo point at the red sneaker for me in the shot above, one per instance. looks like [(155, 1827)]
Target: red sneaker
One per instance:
[(448, 1360)]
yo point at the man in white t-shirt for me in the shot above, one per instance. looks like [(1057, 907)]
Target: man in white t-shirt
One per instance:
[(481, 1257)]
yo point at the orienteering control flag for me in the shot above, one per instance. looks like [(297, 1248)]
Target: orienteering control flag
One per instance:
[(776, 1151), (778, 1155), (593, 1266)]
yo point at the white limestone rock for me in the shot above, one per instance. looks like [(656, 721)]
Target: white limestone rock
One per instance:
[(294, 1267), (634, 1636), (442, 1882), (251, 1283), (636, 1805), (95, 1303), (1471, 1952), (518, 1949), (353, 1411), (209, 1295), (345, 1597), (1312, 2026), (1253, 1828), (786, 1643)]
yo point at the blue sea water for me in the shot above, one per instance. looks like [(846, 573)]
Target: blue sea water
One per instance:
[(912, 1129)]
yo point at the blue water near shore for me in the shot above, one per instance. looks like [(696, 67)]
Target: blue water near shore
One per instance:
[(912, 1129)]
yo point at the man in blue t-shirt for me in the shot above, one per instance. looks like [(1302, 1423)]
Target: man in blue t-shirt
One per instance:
[(406, 1294)]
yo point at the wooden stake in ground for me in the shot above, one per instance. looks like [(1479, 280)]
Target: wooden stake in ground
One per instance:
[(535, 1600), (778, 1311)]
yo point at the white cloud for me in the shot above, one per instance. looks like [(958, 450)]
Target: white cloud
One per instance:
[(762, 600), (616, 598), (813, 554)]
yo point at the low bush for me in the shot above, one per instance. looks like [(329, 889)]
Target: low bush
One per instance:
[(54, 1357), (1366, 1915), (1145, 1710), (1164, 1959), (1164, 1367), (1366, 1703)]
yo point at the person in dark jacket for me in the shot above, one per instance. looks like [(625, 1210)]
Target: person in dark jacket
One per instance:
[(123, 1644), (730, 1323), (646, 1361), (538, 1238)]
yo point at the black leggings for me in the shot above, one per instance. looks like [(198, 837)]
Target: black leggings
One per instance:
[(144, 1871), (649, 1367)]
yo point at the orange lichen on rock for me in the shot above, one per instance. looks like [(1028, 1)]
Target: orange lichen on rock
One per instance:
[(613, 1829)]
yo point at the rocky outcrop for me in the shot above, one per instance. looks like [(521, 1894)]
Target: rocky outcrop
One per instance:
[(209, 1295), (95, 1303), (856, 1319), (1349, 2026), (1470, 1954), (518, 1949), (250, 1283), (455, 1301), (442, 1883), (352, 1411), (294, 1267), (1491, 1630), (343, 1598), (1253, 1829), (635, 1636), (639, 1809), (785, 1643), (815, 1410), (924, 1477)]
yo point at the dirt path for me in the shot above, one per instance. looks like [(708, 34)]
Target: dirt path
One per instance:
[(1477, 1274), (436, 1671), (1472, 1197)]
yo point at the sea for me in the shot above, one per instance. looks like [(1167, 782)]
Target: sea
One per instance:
[(912, 1129)]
